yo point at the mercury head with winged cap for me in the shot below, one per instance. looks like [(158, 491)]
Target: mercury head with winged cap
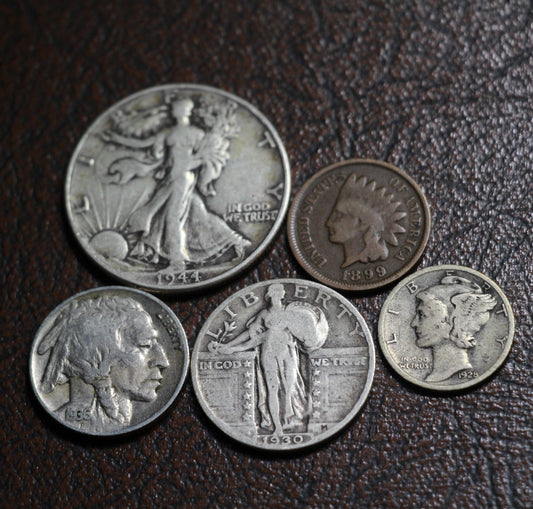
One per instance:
[(448, 317)]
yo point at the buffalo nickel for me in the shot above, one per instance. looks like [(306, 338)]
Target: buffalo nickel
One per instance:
[(108, 361), (446, 328), (177, 187), (359, 224), (283, 364)]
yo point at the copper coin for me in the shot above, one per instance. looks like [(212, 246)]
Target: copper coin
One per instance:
[(359, 224)]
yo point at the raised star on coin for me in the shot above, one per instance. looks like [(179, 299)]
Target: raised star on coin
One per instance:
[(297, 336)]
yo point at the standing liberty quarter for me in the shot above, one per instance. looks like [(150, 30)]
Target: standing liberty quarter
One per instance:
[(446, 328), (177, 187), (359, 224), (108, 361), (283, 364)]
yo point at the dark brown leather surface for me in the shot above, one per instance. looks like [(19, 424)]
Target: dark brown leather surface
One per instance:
[(441, 89)]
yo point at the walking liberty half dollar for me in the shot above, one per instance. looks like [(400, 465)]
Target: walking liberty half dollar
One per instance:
[(446, 328), (359, 224), (283, 364), (109, 361), (177, 187)]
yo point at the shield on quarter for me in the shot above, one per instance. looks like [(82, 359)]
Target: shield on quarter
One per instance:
[(283, 364)]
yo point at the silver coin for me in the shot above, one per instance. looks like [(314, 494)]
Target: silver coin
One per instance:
[(177, 187), (283, 364), (109, 361), (446, 328)]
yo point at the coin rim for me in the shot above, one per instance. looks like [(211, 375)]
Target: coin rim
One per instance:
[(436, 386), (315, 440), (54, 313), (302, 260), (224, 276)]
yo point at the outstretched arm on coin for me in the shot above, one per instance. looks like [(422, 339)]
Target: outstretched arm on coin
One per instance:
[(244, 344), (135, 143), (125, 169), (248, 339)]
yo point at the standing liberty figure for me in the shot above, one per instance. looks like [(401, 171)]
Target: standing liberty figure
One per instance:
[(281, 332)]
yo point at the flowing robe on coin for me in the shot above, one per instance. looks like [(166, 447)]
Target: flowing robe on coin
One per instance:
[(174, 219), (297, 327)]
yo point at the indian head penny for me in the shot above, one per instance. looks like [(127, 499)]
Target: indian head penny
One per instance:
[(446, 328), (283, 364), (177, 187), (108, 361), (359, 224)]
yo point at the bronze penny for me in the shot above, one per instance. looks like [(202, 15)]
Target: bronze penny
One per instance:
[(359, 224)]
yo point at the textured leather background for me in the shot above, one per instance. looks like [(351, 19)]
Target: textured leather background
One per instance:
[(441, 89)]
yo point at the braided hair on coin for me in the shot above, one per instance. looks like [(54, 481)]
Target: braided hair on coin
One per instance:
[(85, 341)]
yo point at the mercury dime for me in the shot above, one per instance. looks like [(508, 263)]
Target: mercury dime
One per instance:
[(446, 328), (283, 364), (108, 361), (359, 224), (177, 187)]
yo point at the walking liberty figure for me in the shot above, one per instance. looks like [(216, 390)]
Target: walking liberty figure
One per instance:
[(181, 161)]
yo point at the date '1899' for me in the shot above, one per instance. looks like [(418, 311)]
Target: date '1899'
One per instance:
[(358, 275)]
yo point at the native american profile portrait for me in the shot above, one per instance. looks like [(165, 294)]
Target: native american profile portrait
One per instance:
[(365, 220), (107, 350), (448, 318)]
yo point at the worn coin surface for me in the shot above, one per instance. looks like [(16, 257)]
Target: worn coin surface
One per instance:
[(359, 224), (109, 361), (177, 187), (446, 328), (283, 364)]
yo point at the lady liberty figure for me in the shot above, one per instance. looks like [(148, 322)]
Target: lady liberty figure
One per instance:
[(280, 333), (183, 161)]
